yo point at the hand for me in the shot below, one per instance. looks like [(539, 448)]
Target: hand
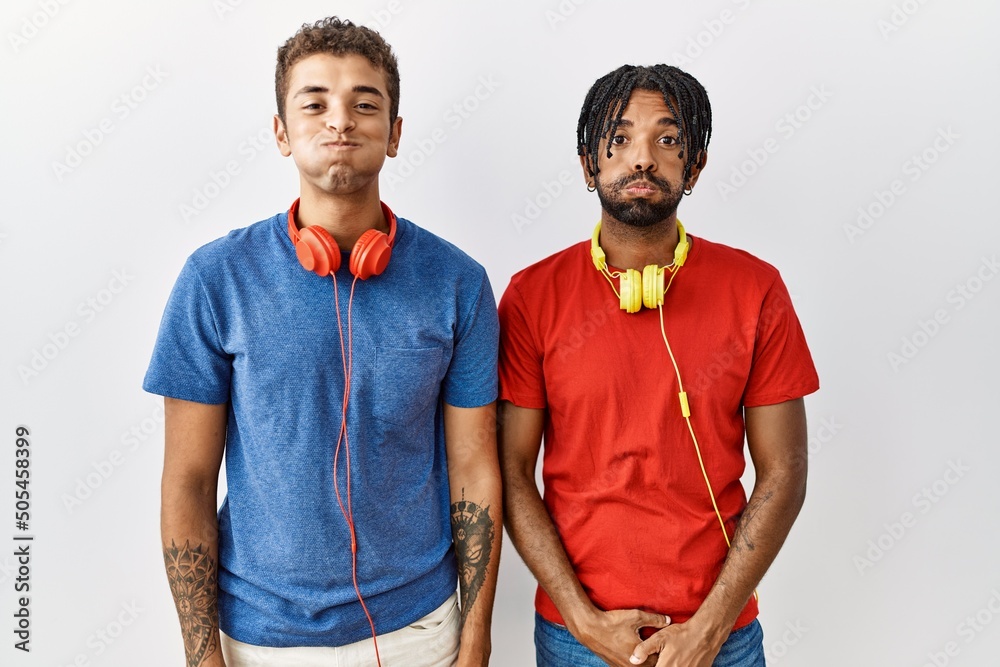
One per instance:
[(682, 645), (613, 634)]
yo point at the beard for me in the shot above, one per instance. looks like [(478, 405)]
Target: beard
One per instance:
[(638, 212)]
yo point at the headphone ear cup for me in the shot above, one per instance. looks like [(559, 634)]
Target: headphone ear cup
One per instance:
[(630, 286), (652, 286), (317, 251), (371, 254)]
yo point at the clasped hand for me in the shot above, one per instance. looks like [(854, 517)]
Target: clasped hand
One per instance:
[(614, 637)]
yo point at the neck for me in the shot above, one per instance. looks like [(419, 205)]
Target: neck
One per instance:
[(346, 217), (630, 247)]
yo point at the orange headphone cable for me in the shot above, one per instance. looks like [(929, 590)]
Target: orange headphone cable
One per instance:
[(348, 361)]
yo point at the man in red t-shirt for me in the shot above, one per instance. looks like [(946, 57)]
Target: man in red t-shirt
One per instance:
[(644, 357)]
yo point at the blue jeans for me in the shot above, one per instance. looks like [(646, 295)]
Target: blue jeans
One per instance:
[(556, 647)]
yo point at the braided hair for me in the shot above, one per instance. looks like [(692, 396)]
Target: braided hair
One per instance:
[(607, 98)]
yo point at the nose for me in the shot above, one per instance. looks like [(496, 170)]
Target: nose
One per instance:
[(339, 119), (642, 158)]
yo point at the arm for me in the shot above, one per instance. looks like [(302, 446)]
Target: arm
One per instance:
[(777, 439), (610, 634), (195, 440), (474, 478)]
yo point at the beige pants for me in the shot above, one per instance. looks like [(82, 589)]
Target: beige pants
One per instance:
[(430, 642)]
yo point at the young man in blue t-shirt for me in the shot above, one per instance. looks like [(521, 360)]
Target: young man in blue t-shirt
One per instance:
[(344, 362)]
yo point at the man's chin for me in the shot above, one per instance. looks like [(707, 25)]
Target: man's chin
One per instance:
[(341, 180), (642, 214)]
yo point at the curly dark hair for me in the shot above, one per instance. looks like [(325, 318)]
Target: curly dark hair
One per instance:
[(606, 101), (338, 37)]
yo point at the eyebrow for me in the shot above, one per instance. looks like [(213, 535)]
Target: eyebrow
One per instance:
[(307, 90), (666, 120)]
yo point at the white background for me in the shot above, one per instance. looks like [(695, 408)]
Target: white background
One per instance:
[(885, 81)]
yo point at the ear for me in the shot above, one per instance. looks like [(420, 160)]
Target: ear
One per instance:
[(395, 132), (588, 172), (696, 168), (281, 136)]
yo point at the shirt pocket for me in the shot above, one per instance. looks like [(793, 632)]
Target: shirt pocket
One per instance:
[(407, 383)]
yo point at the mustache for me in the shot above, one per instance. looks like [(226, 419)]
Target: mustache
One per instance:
[(625, 181)]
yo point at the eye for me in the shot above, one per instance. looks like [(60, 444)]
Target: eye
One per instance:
[(312, 106), (366, 106), (670, 140), (618, 140)]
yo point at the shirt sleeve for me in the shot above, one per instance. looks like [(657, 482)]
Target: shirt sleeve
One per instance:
[(522, 381), (471, 380), (189, 361), (782, 368)]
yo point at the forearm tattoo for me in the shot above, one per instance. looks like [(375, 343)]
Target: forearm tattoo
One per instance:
[(744, 538), (473, 530), (194, 584)]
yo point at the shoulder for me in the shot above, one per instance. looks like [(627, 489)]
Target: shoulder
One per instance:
[(722, 259), (430, 250), (238, 245), (563, 263), (739, 259)]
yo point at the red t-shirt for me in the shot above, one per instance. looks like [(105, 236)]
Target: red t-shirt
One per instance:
[(621, 475)]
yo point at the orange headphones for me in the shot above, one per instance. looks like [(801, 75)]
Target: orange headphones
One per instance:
[(318, 251), (640, 289)]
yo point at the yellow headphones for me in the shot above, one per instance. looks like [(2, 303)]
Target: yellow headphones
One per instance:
[(639, 289), (648, 289)]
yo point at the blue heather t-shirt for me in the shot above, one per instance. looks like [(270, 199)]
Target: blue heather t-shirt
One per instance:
[(247, 325)]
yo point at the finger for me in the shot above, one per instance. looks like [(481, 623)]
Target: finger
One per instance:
[(648, 620), (645, 649)]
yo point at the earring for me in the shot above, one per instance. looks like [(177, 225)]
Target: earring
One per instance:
[(591, 187), (688, 191)]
